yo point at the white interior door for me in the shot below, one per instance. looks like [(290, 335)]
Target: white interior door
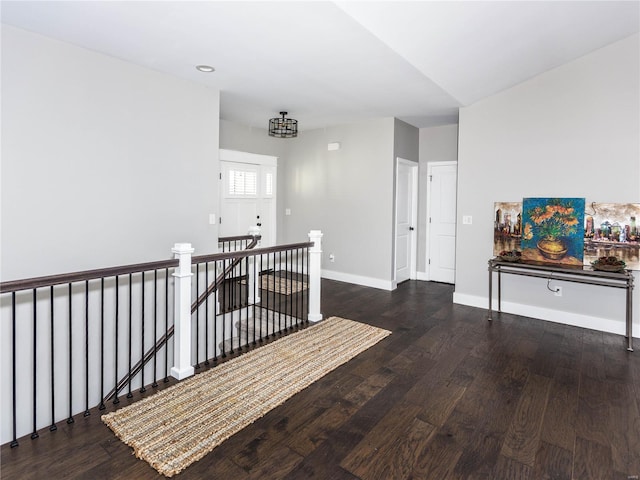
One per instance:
[(406, 219), (248, 195), (441, 246)]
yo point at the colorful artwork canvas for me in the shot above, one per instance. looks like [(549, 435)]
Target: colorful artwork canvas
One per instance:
[(552, 230), (612, 229), (507, 226)]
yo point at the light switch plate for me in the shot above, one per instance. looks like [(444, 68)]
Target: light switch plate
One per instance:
[(287, 211), (467, 219), (212, 219)]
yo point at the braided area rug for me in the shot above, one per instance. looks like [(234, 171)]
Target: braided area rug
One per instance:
[(181, 424)]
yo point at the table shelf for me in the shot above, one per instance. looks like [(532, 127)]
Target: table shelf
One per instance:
[(575, 274)]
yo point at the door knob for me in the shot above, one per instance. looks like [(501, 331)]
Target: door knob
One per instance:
[(411, 229), (259, 224)]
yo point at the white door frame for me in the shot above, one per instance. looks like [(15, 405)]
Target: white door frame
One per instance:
[(237, 156), (430, 166), (413, 248)]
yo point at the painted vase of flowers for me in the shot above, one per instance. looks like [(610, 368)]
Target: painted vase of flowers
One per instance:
[(551, 224)]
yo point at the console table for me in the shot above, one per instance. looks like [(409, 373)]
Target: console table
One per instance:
[(578, 274)]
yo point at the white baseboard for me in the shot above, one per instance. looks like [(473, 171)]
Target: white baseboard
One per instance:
[(424, 276), (359, 280), (557, 316)]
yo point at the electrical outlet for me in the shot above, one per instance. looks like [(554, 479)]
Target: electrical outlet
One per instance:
[(332, 258), (558, 292)]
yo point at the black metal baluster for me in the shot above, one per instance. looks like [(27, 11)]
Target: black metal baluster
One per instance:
[(53, 427), (300, 297), (232, 293), (279, 296), (288, 273), (215, 312), (197, 317), (34, 434), (116, 400), (86, 348), (253, 308), (224, 309), (206, 314), (166, 325), (273, 294), (297, 297), (129, 394), (155, 329), (258, 287), (14, 443), (308, 284), (142, 388), (245, 289), (102, 405), (70, 419)]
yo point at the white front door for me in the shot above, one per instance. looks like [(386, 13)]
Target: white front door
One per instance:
[(406, 207), (248, 196), (441, 224)]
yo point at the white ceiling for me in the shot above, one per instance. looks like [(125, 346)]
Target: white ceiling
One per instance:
[(337, 62)]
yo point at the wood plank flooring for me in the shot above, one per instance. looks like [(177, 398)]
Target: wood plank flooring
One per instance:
[(447, 396)]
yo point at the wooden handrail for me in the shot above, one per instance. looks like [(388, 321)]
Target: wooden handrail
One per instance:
[(50, 280)]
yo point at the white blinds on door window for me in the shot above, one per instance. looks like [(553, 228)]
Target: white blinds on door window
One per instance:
[(243, 182)]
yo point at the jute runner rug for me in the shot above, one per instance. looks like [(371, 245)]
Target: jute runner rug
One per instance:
[(180, 425)]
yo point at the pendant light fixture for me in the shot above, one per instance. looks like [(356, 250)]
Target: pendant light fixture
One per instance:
[(283, 127)]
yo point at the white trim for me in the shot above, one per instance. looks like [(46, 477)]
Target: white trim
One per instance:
[(430, 166), (422, 276), (557, 316), (246, 157), (413, 247), (359, 280)]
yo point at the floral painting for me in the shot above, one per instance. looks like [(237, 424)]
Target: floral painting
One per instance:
[(552, 230)]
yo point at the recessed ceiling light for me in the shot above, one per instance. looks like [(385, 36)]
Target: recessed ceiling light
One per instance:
[(205, 68)]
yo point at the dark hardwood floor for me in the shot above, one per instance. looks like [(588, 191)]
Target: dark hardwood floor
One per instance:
[(447, 396)]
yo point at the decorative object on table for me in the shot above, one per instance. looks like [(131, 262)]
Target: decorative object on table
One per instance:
[(552, 230), (612, 229), (609, 264), (507, 226), (510, 255)]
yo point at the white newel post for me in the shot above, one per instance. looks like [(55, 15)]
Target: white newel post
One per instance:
[(182, 367), (315, 265), (254, 290)]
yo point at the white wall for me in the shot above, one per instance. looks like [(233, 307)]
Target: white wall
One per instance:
[(571, 132), (437, 144), (104, 163)]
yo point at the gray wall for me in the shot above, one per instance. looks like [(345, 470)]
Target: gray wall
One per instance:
[(437, 144), (571, 132), (234, 136), (103, 163), (406, 144), (348, 194)]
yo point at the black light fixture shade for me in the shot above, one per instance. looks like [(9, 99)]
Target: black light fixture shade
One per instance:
[(283, 127)]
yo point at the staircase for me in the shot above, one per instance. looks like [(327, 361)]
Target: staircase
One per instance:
[(265, 323)]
